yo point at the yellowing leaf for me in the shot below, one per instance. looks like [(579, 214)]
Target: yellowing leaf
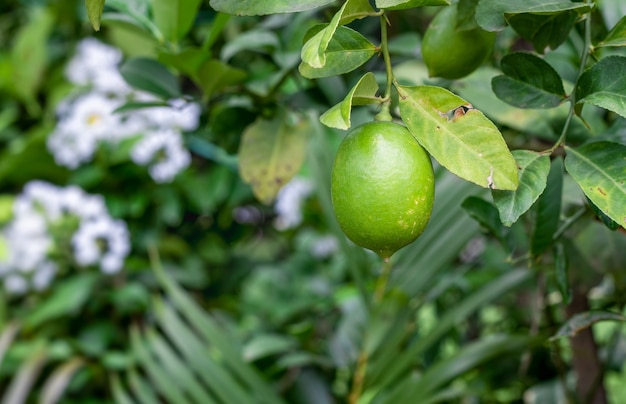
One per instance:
[(271, 153), (458, 136)]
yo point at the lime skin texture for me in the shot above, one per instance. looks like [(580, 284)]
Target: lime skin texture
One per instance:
[(450, 53), (382, 187)]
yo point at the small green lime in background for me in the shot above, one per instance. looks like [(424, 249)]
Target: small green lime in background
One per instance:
[(451, 53), (382, 187)]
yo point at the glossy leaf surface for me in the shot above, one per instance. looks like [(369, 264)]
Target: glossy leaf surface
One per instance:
[(604, 85), (528, 82)]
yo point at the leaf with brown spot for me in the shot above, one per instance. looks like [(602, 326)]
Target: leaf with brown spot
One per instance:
[(271, 153), (600, 170)]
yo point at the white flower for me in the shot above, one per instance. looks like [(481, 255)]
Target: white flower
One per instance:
[(289, 202), (87, 121), (16, 284), (44, 275), (163, 152), (101, 241), (96, 64)]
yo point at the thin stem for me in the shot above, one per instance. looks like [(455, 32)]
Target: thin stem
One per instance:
[(383, 278), (384, 114), (569, 222), (572, 98)]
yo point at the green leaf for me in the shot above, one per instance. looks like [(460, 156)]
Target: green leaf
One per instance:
[(214, 75), (256, 7), (66, 299), (469, 357), (585, 320), (174, 18), (604, 85), (314, 50), (533, 174), (363, 93), (356, 9), (460, 137), (561, 266), (257, 40), (548, 210), (29, 56), (271, 153), (544, 30), (498, 287), (404, 4), (491, 15), (264, 345), (186, 61), (151, 76), (607, 221), (484, 213), (600, 170), (528, 82), (616, 36), (347, 50), (94, 12)]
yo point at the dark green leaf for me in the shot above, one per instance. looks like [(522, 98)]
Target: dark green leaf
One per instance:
[(617, 35), (364, 92), (94, 12), (485, 213), (533, 174), (491, 14), (66, 300), (346, 50), (544, 30), (151, 76), (271, 153), (214, 75), (561, 266), (186, 61), (585, 320), (528, 82), (600, 170), (460, 137), (548, 210), (607, 221), (174, 18), (132, 106), (256, 7), (604, 85), (404, 4)]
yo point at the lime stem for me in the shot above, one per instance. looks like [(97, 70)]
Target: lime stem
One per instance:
[(572, 98), (384, 114), (383, 278)]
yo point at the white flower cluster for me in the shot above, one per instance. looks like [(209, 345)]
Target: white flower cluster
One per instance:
[(28, 261), (87, 120)]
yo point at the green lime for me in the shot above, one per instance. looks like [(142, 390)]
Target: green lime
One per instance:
[(382, 187), (451, 53)]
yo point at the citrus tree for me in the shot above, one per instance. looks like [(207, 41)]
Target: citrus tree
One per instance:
[(476, 147)]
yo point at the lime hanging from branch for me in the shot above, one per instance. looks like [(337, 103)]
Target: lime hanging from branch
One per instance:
[(451, 53), (382, 187)]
